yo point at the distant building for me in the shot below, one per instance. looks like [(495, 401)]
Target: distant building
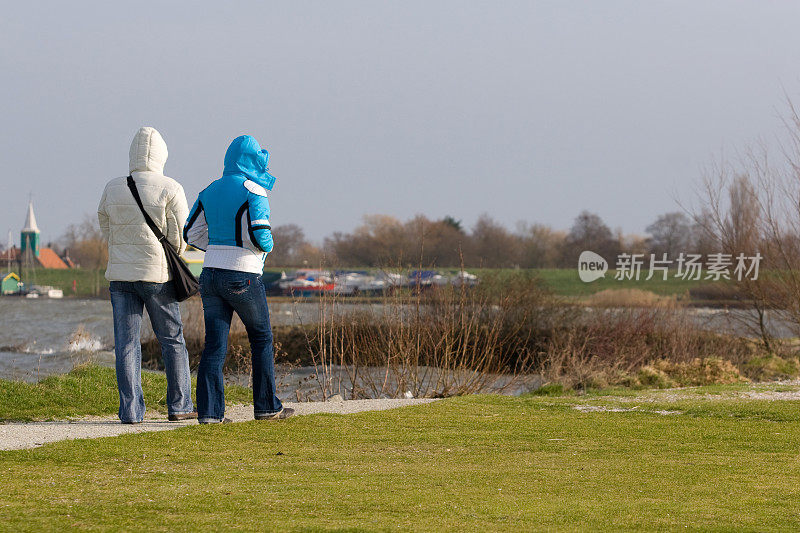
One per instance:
[(9, 283), (194, 259), (29, 253)]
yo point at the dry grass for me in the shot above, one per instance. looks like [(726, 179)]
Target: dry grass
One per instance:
[(610, 347), (445, 341), (706, 371), (471, 337), (457, 340), (631, 298)]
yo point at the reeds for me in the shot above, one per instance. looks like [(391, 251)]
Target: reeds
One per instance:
[(610, 346), (440, 342), (508, 334)]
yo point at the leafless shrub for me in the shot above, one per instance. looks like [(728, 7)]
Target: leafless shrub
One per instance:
[(86, 246), (610, 347), (443, 342), (752, 206), (455, 341), (495, 337)]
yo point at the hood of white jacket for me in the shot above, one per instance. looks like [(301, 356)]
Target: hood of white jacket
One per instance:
[(148, 151)]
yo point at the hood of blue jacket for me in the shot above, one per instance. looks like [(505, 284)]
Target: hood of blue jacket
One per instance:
[(246, 158)]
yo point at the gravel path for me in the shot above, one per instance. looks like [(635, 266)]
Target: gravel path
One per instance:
[(756, 392), (15, 436)]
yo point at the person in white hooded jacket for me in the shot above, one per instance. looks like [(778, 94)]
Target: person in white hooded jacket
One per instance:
[(139, 276)]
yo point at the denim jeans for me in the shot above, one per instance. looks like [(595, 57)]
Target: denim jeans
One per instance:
[(128, 298), (223, 292)]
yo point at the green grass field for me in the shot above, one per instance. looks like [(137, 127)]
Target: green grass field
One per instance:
[(87, 390), (86, 280), (700, 459), (564, 282)]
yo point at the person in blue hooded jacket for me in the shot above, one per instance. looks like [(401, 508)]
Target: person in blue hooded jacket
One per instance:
[(230, 222)]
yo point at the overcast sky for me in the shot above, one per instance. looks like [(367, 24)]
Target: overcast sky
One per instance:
[(526, 111)]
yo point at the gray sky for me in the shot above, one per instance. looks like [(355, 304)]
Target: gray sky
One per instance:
[(524, 110)]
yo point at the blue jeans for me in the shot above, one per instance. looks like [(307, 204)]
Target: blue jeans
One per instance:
[(223, 292), (128, 298)]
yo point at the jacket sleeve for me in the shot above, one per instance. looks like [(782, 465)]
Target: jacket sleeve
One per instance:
[(195, 232), (259, 225), (177, 211), (102, 216)]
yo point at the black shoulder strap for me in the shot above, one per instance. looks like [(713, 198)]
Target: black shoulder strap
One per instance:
[(132, 186)]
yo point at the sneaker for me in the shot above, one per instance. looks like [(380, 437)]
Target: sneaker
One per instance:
[(177, 417), (215, 421), (283, 414), (131, 421)]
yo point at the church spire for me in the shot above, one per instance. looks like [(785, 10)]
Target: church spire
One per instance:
[(29, 236), (30, 220)]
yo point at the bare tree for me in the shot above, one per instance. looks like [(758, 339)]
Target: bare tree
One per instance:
[(86, 247), (670, 234), (589, 232), (436, 242), (291, 247), (493, 246), (540, 246), (380, 239), (704, 239), (751, 206)]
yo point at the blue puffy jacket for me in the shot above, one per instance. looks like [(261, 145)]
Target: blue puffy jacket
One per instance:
[(230, 219)]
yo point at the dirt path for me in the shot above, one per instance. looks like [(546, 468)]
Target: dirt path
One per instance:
[(15, 436)]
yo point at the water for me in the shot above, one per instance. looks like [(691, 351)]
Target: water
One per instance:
[(41, 337)]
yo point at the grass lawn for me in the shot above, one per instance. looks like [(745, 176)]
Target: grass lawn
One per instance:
[(87, 280), (87, 390), (721, 462), (565, 282)]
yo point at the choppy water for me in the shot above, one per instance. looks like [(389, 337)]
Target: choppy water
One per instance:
[(39, 337), (42, 337)]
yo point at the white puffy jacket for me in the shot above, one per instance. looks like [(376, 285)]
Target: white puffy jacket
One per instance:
[(134, 253)]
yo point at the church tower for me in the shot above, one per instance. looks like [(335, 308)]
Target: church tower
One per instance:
[(30, 235)]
